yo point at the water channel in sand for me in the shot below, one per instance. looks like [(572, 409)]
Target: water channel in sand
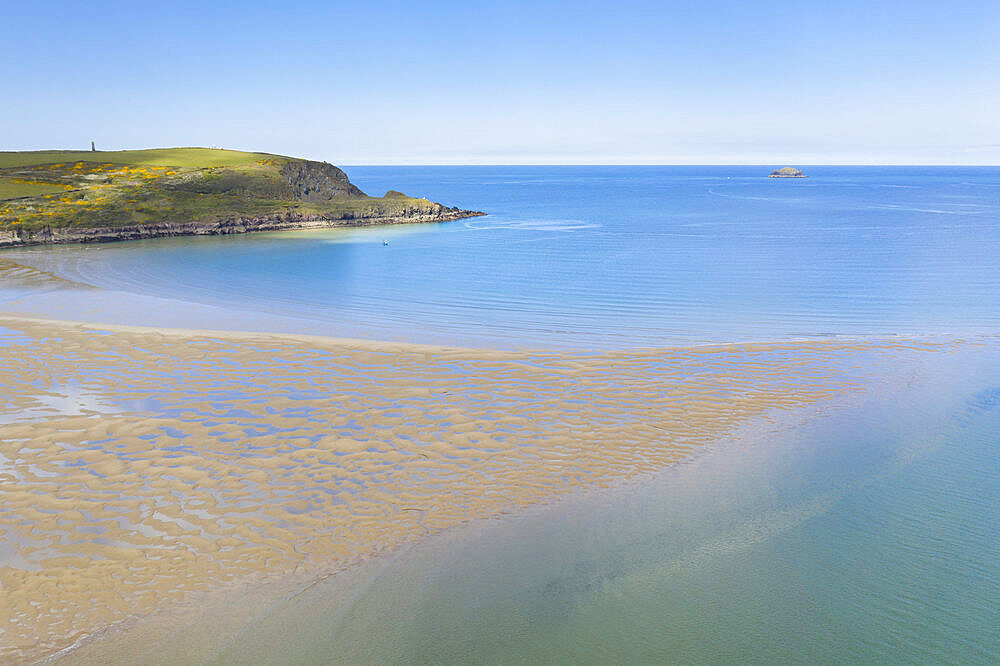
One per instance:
[(867, 534), (141, 466)]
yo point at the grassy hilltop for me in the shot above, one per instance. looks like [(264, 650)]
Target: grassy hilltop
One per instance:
[(65, 190)]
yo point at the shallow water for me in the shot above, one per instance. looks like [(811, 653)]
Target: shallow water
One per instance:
[(139, 468), (869, 535), (585, 257)]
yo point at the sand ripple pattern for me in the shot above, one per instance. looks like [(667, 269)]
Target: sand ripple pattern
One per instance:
[(138, 467)]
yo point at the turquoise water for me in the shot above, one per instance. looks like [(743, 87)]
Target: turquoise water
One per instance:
[(588, 257), (867, 535)]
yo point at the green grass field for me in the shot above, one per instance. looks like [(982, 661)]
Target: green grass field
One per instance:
[(133, 187), (10, 189), (179, 157)]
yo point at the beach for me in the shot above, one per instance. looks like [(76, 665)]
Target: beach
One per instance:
[(315, 446), (158, 463)]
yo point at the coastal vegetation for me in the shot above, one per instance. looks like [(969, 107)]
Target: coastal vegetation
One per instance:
[(63, 196)]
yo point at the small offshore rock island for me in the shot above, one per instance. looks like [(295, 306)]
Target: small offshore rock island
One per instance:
[(787, 172), (101, 196)]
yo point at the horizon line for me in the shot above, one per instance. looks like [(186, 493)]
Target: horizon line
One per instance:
[(711, 164), (539, 164)]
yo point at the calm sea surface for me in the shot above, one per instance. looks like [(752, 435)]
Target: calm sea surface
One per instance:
[(587, 257), (867, 534)]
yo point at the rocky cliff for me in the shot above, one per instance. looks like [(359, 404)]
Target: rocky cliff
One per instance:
[(318, 181)]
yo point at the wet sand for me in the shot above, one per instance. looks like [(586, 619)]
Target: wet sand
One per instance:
[(144, 470)]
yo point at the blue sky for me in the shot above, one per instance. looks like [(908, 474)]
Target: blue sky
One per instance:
[(512, 83)]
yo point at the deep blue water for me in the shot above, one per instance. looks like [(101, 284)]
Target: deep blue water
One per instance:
[(598, 257)]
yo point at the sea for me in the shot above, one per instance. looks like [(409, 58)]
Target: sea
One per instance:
[(867, 533), (585, 257)]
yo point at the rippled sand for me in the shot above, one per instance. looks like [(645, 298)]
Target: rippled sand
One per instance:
[(139, 468)]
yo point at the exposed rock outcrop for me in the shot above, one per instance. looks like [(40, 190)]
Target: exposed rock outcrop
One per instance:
[(787, 172), (284, 221), (318, 181)]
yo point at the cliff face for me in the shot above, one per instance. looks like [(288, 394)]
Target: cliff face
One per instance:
[(318, 181)]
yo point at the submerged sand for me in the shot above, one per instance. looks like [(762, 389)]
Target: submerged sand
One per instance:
[(141, 467)]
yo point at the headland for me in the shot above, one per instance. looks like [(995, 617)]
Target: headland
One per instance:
[(101, 196)]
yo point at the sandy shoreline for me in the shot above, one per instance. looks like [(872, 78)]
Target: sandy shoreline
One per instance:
[(144, 467)]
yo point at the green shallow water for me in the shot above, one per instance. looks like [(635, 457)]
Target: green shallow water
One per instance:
[(869, 534)]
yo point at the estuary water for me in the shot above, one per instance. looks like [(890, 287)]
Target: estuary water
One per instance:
[(585, 257), (867, 535), (861, 527)]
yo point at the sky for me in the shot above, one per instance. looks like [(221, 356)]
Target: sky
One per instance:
[(748, 82)]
